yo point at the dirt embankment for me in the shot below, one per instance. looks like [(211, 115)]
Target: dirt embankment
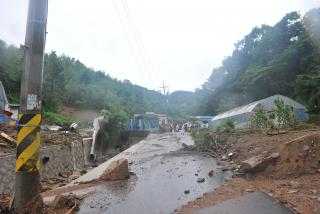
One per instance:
[(292, 176), (82, 115)]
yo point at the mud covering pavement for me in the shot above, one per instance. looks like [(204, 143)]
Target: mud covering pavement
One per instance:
[(253, 203), (164, 179)]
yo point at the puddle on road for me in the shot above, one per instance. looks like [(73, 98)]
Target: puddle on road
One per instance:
[(159, 186)]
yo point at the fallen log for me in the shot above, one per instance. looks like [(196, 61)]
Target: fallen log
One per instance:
[(277, 132), (7, 138), (299, 138)]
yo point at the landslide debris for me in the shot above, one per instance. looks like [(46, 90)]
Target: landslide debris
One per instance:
[(284, 164)]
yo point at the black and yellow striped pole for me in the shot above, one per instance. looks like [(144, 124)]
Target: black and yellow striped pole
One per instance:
[(27, 188)]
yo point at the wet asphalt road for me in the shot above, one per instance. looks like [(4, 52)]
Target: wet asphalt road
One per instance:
[(163, 173), (252, 203)]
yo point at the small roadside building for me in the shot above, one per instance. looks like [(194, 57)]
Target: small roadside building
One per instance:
[(4, 104), (242, 115)]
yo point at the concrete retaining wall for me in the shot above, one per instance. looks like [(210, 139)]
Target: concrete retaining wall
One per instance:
[(54, 160)]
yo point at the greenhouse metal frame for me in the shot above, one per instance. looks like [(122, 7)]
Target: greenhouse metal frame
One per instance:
[(242, 115)]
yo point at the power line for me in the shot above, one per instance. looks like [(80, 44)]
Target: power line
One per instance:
[(137, 41), (129, 42), (138, 38)]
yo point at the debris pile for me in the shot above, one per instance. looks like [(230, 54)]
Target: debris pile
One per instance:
[(59, 137), (283, 164), (64, 204), (5, 203)]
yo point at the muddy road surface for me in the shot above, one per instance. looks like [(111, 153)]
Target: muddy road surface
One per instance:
[(165, 179)]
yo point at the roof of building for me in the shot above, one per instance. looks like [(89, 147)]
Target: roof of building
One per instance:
[(268, 104)]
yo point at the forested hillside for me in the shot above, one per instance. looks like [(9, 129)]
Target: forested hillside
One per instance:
[(283, 59), (67, 81), (280, 59)]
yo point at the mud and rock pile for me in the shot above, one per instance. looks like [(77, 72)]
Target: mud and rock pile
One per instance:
[(297, 157), (285, 165), (292, 153)]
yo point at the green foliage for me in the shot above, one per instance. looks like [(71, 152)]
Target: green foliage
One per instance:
[(226, 126), (57, 119), (259, 118), (115, 125), (206, 140), (106, 113), (280, 59), (53, 82), (284, 114), (119, 117), (226, 104), (67, 81), (203, 138), (10, 70)]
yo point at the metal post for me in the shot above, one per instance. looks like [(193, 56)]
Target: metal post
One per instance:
[(27, 186), (165, 91)]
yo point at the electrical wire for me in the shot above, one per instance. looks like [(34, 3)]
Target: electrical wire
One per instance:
[(138, 39), (137, 43), (129, 42)]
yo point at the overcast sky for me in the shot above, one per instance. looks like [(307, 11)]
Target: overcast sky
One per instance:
[(183, 40)]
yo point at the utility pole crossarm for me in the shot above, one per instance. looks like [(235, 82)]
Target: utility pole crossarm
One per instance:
[(164, 88)]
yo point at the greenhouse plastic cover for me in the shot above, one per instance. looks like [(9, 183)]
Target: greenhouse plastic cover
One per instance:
[(267, 103)]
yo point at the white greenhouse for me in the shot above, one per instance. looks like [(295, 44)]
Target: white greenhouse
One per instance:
[(242, 115)]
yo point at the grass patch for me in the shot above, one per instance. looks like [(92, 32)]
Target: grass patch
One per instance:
[(57, 119)]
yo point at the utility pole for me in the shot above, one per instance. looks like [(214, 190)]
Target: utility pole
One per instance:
[(164, 88), (27, 187), (165, 92)]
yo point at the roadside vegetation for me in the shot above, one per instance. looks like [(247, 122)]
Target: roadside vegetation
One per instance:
[(69, 82), (281, 59), (281, 118), (56, 119), (115, 126)]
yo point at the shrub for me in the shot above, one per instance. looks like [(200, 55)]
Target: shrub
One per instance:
[(259, 119), (203, 138), (284, 114), (226, 126)]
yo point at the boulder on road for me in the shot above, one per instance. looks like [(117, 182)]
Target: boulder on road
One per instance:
[(117, 170), (200, 180), (188, 147)]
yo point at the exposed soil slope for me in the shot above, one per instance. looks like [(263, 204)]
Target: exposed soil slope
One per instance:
[(293, 178)]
